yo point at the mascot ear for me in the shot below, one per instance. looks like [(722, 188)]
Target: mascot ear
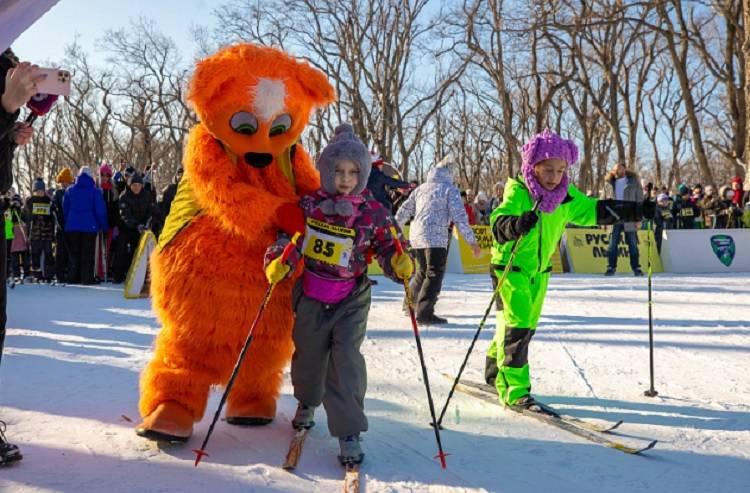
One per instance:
[(315, 84)]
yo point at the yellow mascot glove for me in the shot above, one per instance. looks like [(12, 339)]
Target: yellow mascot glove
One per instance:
[(402, 265), (276, 270)]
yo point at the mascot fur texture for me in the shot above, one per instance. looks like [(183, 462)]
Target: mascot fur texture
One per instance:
[(246, 177)]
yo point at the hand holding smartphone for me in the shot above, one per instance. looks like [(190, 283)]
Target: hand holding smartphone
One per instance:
[(57, 81)]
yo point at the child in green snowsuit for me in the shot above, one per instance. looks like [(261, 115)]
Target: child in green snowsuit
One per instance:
[(543, 179)]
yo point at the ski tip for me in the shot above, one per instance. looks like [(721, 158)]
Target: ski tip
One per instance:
[(649, 446), (199, 453), (616, 424)]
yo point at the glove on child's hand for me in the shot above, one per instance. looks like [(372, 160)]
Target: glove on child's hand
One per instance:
[(402, 265), (276, 270), (526, 222)]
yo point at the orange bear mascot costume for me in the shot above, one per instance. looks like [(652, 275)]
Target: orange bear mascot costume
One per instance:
[(244, 175)]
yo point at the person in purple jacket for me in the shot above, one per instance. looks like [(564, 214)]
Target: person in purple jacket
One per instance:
[(85, 215)]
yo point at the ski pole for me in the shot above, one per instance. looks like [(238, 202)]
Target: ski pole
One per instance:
[(441, 455), (495, 294), (105, 256), (650, 392), (200, 452)]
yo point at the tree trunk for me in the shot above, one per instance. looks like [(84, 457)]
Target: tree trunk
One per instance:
[(746, 56), (680, 65)]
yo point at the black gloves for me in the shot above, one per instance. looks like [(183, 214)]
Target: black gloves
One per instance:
[(525, 223), (509, 228), (619, 211)]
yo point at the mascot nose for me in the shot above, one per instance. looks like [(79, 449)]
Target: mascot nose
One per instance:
[(258, 159)]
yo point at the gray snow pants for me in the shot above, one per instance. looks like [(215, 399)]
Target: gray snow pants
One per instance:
[(327, 366)]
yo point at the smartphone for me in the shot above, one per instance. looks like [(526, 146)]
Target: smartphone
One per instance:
[(57, 81)]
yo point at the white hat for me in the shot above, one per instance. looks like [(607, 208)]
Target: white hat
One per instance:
[(85, 170), (445, 162)]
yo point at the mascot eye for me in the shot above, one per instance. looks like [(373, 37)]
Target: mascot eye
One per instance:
[(280, 125), (244, 123)]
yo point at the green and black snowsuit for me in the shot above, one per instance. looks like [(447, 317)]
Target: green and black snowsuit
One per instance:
[(526, 285)]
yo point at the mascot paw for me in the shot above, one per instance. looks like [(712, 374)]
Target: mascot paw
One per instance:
[(290, 219), (254, 413), (170, 422)]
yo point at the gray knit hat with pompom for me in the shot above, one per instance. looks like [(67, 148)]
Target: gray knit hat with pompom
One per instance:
[(344, 146)]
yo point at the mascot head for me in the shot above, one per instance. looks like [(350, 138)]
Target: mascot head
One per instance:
[(256, 101)]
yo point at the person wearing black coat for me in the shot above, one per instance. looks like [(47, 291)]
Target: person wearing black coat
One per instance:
[(17, 85), (137, 211), (379, 183), (167, 196), (684, 210), (62, 255), (41, 232)]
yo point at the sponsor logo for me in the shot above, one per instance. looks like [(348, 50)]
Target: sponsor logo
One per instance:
[(724, 249)]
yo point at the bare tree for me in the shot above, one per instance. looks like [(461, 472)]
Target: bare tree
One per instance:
[(370, 49), (678, 45)]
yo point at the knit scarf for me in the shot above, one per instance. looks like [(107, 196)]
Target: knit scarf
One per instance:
[(341, 205), (550, 199)]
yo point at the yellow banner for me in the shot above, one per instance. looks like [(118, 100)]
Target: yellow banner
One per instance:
[(472, 265), (469, 264), (587, 251), (374, 268)]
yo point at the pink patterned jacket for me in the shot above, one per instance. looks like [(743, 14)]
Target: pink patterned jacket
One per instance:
[(367, 230)]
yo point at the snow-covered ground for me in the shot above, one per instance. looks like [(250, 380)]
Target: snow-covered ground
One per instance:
[(73, 355)]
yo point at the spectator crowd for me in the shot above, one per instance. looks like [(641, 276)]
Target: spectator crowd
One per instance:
[(87, 229)]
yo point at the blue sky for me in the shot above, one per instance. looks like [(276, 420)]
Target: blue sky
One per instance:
[(90, 19)]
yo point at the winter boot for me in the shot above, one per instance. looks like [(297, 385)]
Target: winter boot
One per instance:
[(351, 451), (610, 272), (432, 320), (170, 422), (9, 453), (303, 418), (490, 370)]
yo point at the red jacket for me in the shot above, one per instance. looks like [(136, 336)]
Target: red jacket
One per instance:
[(470, 213)]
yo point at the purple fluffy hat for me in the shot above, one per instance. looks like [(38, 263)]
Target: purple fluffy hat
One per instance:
[(547, 145)]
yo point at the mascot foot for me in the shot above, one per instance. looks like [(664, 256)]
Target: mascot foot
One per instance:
[(169, 422), (251, 414)]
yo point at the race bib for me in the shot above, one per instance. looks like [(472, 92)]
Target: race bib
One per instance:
[(686, 212), (39, 208), (328, 243), (667, 215)]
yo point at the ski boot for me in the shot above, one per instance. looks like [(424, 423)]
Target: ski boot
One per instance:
[(528, 403), (9, 453), (303, 418), (351, 451)]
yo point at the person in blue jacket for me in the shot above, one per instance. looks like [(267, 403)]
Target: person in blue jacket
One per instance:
[(85, 215), (379, 184)]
